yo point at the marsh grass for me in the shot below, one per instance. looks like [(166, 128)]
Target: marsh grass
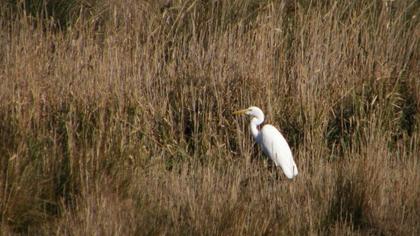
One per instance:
[(116, 118)]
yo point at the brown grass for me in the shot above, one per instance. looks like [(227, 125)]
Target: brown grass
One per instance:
[(115, 117)]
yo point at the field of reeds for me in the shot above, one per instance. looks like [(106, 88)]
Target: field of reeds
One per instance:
[(116, 117)]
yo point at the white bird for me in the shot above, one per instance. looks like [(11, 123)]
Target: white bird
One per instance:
[(271, 141)]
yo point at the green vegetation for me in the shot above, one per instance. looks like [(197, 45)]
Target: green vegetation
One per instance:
[(116, 117)]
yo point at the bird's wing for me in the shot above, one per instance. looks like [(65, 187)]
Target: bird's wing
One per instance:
[(276, 147)]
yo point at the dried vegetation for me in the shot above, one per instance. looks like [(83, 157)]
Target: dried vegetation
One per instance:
[(115, 117)]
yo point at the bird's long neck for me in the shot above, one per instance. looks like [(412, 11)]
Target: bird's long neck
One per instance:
[(254, 127)]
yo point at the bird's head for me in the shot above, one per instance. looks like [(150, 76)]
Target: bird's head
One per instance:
[(253, 112)]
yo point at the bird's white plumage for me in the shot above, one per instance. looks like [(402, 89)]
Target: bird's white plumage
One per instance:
[(275, 146), (272, 142)]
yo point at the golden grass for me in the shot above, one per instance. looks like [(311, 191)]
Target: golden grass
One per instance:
[(117, 119)]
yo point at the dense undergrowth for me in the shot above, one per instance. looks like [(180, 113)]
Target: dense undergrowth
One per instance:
[(115, 117)]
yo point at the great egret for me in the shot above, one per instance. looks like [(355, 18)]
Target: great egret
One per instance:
[(272, 142)]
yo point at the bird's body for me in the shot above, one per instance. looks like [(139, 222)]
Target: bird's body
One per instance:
[(272, 142), (275, 146)]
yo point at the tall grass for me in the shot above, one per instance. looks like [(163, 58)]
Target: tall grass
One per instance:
[(115, 117)]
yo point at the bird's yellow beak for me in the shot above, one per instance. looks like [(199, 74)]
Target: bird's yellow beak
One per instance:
[(240, 112)]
